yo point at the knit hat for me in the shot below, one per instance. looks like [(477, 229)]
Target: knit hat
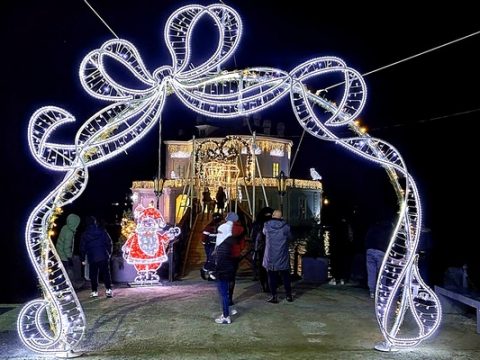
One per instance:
[(231, 216)]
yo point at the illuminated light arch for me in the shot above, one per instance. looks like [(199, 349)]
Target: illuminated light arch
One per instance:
[(223, 94)]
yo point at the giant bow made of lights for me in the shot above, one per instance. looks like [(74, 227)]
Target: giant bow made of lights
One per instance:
[(208, 90)]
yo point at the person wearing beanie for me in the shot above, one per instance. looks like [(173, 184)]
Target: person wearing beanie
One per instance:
[(231, 216), (224, 266)]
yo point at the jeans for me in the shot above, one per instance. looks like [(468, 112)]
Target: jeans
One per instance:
[(222, 286), (374, 261)]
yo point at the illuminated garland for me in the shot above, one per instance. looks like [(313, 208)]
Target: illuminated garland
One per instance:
[(226, 150), (268, 182), (223, 94)]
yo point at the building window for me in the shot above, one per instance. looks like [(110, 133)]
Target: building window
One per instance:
[(275, 169), (179, 168)]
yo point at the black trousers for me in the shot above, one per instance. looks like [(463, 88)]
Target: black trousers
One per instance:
[(102, 267), (273, 281)]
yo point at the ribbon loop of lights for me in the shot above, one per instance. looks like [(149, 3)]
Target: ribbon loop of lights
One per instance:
[(217, 93)]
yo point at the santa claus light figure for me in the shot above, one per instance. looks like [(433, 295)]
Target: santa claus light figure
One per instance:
[(147, 247)]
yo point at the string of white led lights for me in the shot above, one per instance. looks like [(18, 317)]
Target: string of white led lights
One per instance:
[(223, 94)]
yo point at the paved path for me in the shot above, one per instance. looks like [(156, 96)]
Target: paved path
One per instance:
[(177, 322)]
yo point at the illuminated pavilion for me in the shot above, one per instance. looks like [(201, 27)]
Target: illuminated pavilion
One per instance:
[(252, 169)]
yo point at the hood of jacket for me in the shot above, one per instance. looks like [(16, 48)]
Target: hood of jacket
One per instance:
[(73, 220), (275, 224), (93, 232)]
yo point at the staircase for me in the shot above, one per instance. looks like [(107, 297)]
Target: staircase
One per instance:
[(195, 255)]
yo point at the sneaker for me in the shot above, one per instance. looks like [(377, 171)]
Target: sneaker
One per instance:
[(342, 282), (94, 294), (289, 298), (273, 300), (233, 311), (372, 295), (109, 293), (223, 320), (333, 282)]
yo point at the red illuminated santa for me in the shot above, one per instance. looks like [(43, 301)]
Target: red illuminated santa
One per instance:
[(146, 248)]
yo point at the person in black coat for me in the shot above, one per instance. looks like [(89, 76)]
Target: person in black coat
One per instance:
[(96, 246), (341, 250), (220, 197), (258, 237)]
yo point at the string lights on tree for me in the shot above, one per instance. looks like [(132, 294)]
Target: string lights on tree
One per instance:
[(208, 90)]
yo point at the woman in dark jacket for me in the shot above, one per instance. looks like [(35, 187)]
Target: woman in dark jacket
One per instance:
[(225, 274), (277, 258), (225, 266), (96, 245)]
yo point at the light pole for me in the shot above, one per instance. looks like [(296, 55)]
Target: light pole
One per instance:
[(158, 189), (159, 180), (282, 187)]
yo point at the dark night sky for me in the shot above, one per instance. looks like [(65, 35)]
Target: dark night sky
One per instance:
[(426, 107)]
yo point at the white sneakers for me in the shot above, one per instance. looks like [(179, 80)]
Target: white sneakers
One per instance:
[(334, 282), (108, 293), (223, 320), (226, 320)]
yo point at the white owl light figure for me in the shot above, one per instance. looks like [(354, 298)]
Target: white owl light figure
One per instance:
[(315, 175)]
